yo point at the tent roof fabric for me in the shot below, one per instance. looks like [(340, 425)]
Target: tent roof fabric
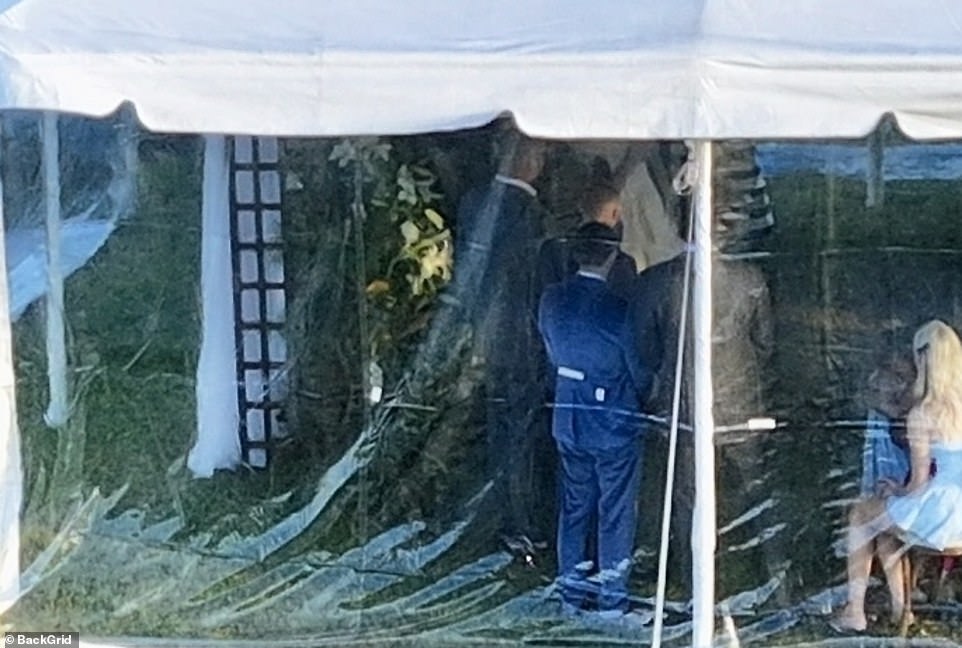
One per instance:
[(564, 68)]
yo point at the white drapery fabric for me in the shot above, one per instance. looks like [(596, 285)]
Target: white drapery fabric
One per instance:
[(217, 445)]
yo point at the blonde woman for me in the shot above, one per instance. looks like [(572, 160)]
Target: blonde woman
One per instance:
[(928, 510)]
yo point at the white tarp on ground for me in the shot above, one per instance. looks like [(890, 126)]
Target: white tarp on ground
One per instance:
[(650, 69)]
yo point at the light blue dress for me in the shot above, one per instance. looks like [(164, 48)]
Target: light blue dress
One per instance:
[(882, 458), (932, 516)]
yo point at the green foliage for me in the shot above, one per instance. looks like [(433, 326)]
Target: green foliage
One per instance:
[(408, 246)]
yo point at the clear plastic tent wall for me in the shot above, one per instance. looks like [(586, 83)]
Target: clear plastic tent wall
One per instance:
[(386, 472)]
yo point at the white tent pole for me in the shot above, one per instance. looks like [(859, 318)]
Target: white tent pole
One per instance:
[(703, 524), (875, 176), (123, 187), (56, 415), (11, 473)]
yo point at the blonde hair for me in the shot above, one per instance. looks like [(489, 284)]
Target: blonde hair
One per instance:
[(938, 385)]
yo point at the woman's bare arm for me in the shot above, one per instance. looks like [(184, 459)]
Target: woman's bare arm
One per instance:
[(919, 430)]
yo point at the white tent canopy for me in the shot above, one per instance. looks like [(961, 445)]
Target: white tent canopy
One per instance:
[(659, 69), (652, 69)]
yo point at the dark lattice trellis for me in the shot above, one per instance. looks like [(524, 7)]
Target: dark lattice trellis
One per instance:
[(259, 297)]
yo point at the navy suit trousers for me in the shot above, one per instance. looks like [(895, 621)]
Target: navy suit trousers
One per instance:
[(599, 491)]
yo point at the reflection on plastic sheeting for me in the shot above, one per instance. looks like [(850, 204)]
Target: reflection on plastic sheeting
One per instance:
[(395, 509)]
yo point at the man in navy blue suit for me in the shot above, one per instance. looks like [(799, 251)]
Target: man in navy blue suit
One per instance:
[(601, 204), (599, 382)]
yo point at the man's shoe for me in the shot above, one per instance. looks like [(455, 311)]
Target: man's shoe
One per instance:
[(611, 615), (523, 548), (629, 617), (639, 617)]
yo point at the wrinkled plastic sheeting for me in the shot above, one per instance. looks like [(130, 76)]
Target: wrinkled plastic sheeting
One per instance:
[(380, 519), (318, 593), (98, 188)]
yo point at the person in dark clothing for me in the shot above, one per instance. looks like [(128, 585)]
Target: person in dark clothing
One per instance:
[(499, 232), (742, 335), (598, 385), (742, 343), (601, 204), (656, 306)]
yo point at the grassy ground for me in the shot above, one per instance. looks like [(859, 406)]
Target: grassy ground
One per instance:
[(133, 316)]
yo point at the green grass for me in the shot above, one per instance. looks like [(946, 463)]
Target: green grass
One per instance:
[(133, 317)]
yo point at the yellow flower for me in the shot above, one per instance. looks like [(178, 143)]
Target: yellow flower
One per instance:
[(436, 261)]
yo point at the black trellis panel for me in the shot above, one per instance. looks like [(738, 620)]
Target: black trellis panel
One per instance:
[(255, 222)]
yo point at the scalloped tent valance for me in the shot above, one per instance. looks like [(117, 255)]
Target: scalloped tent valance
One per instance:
[(613, 69)]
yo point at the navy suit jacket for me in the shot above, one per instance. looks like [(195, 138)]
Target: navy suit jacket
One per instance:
[(600, 379)]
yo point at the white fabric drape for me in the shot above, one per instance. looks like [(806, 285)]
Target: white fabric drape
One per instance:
[(11, 473), (57, 410), (217, 445)]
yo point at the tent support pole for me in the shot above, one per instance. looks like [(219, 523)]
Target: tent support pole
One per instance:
[(57, 410), (875, 177), (703, 524), (11, 473)]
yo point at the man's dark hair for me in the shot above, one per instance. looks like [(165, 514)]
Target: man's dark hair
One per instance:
[(597, 195), (593, 244), (514, 150)]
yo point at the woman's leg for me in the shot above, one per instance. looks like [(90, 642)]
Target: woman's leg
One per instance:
[(891, 553), (865, 521)]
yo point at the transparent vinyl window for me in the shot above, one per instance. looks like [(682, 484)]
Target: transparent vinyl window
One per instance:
[(448, 390)]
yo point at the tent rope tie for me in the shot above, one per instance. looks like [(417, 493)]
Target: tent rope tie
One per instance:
[(682, 183)]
